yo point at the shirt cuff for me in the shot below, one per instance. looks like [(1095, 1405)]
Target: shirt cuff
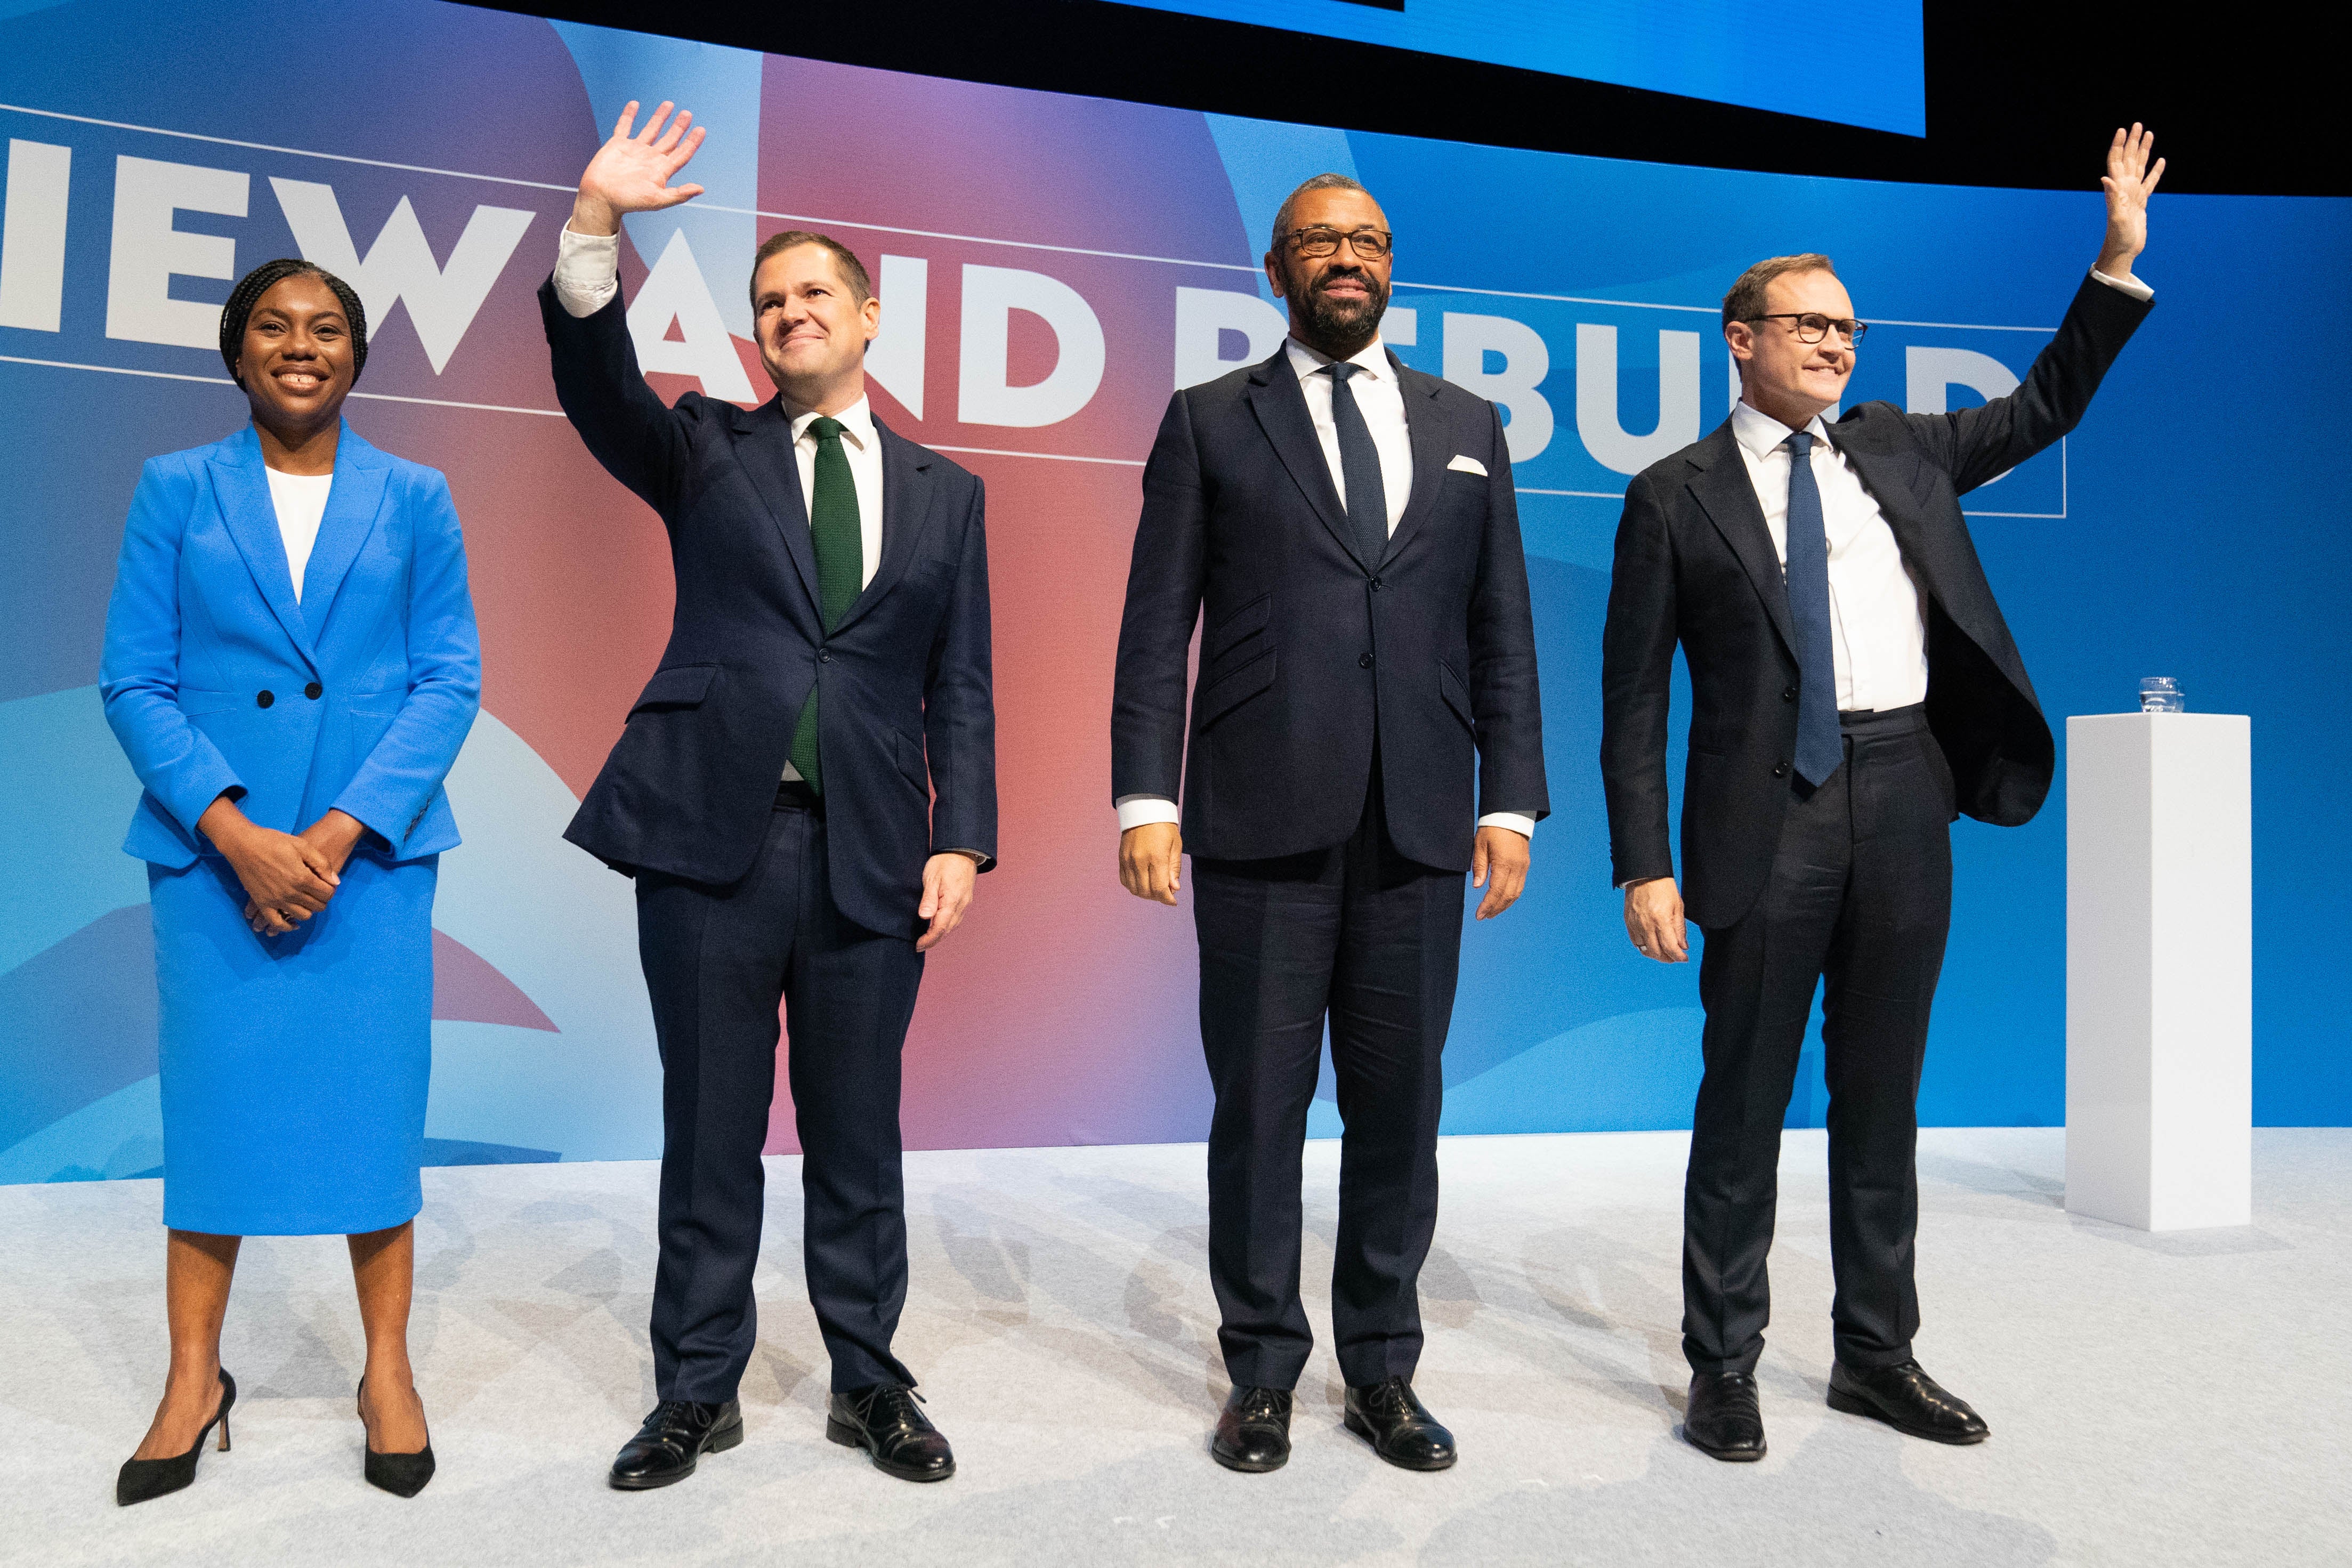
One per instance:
[(587, 271), (1135, 810), (1518, 822), (2127, 284)]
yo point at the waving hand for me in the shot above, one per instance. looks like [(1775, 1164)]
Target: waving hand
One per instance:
[(2128, 181), (631, 173)]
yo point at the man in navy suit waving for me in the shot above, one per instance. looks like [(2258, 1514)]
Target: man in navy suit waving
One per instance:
[(1345, 530), (805, 793)]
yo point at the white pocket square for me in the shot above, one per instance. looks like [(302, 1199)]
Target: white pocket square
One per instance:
[(1466, 465)]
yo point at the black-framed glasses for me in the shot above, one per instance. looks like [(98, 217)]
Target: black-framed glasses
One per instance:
[(1811, 327), (1369, 244)]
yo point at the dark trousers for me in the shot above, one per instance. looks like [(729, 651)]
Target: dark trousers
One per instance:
[(717, 961), (1860, 896), (1372, 941)]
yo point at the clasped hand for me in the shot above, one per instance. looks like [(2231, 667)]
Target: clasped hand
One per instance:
[(287, 877)]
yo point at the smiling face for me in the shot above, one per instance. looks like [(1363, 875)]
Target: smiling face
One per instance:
[(1336, 300), (1790, 380), (812, 329), (296, 364)]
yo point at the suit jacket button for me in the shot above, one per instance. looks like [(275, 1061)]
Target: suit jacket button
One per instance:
[(1377, 584), (1363, 661), (1789, 695), (314, 691), (263, 699), (1780, 772), (824, 656)]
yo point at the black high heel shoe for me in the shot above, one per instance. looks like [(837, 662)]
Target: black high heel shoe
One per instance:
[(142, 1480), (402, 1474)]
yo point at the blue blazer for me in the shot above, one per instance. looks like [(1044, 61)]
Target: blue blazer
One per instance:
[(907, 718), (215, 678), (1307, 650)]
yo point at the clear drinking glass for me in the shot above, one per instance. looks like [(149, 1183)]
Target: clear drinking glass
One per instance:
[(2162, 694)]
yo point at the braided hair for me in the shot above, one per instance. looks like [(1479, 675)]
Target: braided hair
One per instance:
[(261, 280)]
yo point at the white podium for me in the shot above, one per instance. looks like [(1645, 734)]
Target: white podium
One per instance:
[(2159, 969)]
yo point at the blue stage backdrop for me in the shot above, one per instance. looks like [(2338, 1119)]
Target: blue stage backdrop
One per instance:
[(1051, 267)]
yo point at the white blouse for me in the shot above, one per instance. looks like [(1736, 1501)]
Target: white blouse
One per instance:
[(300, 500)]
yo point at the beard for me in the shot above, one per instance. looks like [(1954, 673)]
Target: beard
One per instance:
[(1343, 321)]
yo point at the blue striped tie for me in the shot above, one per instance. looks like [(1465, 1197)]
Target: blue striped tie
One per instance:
[(1818, 749)]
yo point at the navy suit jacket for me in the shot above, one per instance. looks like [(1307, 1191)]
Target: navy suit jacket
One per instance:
[(1308, 651), (905, 709), (1695, 565), (217, 681)]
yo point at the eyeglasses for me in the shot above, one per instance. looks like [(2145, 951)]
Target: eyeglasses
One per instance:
[(1369, 244), (1811, 327)]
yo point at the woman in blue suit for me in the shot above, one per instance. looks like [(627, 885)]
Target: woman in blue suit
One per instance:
[(292, 666)]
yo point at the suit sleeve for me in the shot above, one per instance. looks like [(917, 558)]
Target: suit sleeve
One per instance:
[(960, 706), (1166, 577), (1637, 665), (1505, 697), (403, 773), (138, 672), (640, 440), (1977, 445)]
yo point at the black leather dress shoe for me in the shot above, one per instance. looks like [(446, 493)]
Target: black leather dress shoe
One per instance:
[(886, 1420), (1908, 1400), (674, 1437), (1253, 1432), (1393, 1419), (1723, 1418)]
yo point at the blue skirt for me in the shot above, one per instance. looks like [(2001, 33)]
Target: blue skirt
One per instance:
[(294, 1068)]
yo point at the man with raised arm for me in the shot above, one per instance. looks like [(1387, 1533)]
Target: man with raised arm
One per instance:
[(805, 793), (1853, 688), (1365, 730)]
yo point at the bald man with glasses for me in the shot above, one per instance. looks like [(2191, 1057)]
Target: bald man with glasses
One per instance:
[(1853, 688), (1365, 730)]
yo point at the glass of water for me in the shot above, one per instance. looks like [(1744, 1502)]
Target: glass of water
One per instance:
[(2162, 694)]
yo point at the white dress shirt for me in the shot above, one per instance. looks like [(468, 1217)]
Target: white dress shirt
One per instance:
[(1878, 635), (300, 501), (1380, 400), (587, 276)]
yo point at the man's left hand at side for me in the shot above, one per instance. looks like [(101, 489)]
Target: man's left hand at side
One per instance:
[(1498, 863), (947, 894)]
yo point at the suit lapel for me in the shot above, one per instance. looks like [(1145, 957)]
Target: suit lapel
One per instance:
[(241, 486), (764, 447), (1275, 398), (1728, 496), (1427, 427), (906, 509), (353, 501)]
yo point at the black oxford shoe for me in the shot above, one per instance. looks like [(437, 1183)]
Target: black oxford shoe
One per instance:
[(1253, 1432), (1393, 1419), (1908, 1400), (886, 1420), (674, 1437), (1722, 1418)]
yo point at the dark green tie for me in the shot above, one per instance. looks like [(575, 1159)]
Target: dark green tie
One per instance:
[(840, 568)]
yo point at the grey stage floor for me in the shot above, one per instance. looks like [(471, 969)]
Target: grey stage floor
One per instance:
[(2154, 1399)]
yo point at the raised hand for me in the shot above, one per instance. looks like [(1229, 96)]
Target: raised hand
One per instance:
[(2128, 182), (631, 173)]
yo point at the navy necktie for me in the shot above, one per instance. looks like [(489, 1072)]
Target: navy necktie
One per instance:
[(1360, 467), (1818, 749)]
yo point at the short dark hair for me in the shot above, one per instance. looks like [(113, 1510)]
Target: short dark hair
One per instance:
[(1323, 182), (267, 276), (1746, 300), (845, 261)]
